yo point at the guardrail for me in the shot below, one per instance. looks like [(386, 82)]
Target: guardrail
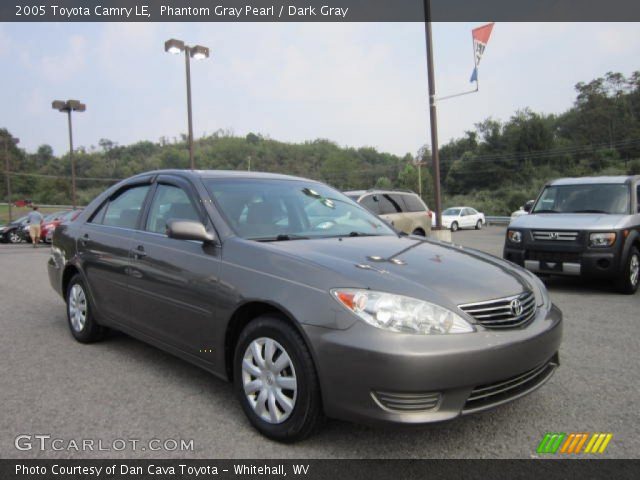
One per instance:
[(497, 220)]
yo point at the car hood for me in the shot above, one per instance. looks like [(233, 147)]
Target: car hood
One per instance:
[(426, 269), (569, 221)]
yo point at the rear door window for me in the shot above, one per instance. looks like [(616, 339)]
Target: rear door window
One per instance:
[(124, 209), (413, 203)]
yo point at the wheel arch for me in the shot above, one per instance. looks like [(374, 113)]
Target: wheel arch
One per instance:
[(245, 314)]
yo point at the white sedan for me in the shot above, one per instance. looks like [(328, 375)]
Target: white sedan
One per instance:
[(455, 218)]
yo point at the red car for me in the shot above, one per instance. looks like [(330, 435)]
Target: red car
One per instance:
[(48, 227)]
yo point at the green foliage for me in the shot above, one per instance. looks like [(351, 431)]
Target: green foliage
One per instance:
[(495, 167)]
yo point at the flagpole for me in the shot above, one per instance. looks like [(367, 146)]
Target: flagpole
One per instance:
[(435, 157)]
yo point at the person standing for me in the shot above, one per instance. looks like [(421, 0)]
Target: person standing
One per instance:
[(35, 220)]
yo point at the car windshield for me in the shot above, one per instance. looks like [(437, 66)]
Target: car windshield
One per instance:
[(290, 209), (585, 198), (452, 211)]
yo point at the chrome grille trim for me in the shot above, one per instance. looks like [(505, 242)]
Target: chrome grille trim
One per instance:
[(498, 313), (407, 402), (555, 235), (484, 397)]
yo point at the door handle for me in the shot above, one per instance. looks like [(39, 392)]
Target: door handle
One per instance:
[(84, 240), (139, 252)]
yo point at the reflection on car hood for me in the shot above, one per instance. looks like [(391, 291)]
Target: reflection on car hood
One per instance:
[(429, 270), (570, 221)]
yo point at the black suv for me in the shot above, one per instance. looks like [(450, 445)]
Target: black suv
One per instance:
[(582, 226)]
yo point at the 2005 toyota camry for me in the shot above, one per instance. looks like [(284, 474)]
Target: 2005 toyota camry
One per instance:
[(307, 302)]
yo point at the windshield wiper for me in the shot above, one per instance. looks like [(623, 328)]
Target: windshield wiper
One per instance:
[(546, 211), (588, 211), (283, 237), (361, 234)]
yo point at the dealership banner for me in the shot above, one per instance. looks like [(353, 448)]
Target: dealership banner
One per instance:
[(317, 469), (316, 10), (480, 37)]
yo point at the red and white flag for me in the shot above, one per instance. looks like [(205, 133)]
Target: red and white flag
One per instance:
[(480, 39)]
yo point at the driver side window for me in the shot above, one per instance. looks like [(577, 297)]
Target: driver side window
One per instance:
[(169, 203)]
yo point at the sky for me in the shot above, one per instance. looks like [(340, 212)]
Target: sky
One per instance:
[(358, 84)]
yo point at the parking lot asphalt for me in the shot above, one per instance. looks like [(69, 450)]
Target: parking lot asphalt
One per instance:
[(124, 389)]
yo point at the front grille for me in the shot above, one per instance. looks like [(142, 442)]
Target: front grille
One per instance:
[(555, 235), (503, 312), (554, 257), (487, 396), (407, 402)]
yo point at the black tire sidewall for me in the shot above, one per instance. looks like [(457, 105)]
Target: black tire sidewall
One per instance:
[(306, 412), (625, 283), (455, 227)]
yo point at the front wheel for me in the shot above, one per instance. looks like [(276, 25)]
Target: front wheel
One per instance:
[(275, 380), (479, 225), (454, 227), (14, 237), (631, 273)]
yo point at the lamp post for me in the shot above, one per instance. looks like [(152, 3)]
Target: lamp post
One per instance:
[(197, 52), (68, 107), (8, 140)]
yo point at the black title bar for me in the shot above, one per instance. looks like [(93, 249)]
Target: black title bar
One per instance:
[(318, 10)]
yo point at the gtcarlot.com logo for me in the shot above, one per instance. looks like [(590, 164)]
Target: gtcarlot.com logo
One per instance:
[(574, 443)]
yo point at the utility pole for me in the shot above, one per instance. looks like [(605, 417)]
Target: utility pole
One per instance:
[(435, 158), (7, 170)]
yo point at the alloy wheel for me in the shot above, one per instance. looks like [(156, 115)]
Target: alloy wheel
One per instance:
[(14, 237), (269, 380), (77, 307), (634, 269)]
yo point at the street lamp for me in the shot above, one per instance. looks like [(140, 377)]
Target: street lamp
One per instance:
[(8, 140), (197, 52), (68, 107)]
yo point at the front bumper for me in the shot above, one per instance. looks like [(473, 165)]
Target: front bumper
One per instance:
[(370, 375)]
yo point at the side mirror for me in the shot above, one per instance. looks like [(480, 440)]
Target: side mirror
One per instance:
[(189, 230), (527, 206)]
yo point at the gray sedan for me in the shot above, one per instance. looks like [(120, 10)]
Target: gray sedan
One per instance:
[(307, 302)]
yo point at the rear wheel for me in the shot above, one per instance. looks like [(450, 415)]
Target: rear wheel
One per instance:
[(479, 225), (631, 273), (454, 227), (82, 323), (275, 380)]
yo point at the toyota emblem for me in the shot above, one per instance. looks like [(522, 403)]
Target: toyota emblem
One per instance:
[(516, 307)]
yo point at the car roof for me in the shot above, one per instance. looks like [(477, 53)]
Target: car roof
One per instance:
[(378, 190), (222, 174), (618, 179)]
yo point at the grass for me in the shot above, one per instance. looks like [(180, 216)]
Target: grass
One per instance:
[(17, 212)]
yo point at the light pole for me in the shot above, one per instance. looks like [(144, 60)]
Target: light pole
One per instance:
[(14, 141), (197, 52), (68, 107)]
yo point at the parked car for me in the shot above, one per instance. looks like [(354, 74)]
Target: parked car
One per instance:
[(308, 311), (455, 218), (587, 227), (52, 221), (523, 210), (13, 232), (403, 209)]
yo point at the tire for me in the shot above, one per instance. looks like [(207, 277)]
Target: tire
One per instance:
[(14, 237), (630, 280), (80, 317), (479, 225), (272, 419), (419, 232), (454, 227)]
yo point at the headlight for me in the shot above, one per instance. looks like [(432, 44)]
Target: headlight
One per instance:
[(398, 313), (515, 236), (602, 239)]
